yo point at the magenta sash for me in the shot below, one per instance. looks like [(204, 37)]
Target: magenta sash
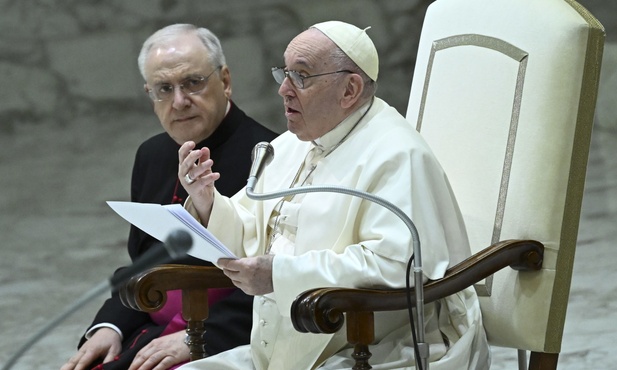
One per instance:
[(171, 314)]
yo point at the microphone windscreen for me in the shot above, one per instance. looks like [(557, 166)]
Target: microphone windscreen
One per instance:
[(178, 243)]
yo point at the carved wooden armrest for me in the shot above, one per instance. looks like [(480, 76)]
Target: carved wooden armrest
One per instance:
[(147, 292), (321, 310)]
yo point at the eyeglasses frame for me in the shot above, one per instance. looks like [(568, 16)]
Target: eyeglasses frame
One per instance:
[(205, 79), (301, 78)]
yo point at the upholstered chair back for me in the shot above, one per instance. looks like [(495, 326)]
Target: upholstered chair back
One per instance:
[(504, 91)]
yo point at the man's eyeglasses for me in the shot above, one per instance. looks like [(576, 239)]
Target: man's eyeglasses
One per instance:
[(296, 78), (190, 85)]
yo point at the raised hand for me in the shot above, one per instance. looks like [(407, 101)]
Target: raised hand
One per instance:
[(195, 174)]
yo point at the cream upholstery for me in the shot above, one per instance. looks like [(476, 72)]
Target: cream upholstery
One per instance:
[(504, 91)]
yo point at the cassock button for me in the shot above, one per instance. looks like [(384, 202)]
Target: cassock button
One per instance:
[(264, 343), (262, 322)]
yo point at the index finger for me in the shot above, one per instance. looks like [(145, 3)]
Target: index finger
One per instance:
[(185, 149)]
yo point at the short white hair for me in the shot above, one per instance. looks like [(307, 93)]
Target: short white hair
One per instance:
[(209, 39)]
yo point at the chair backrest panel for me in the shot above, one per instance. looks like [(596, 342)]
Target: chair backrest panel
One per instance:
[(504, 92)]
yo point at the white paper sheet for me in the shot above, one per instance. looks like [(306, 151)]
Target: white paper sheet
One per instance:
[(158, 221)]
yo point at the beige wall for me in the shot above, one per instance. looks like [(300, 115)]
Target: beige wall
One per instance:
[(66, 60), (63, 60)]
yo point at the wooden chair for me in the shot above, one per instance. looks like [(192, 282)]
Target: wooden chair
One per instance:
[(504, 91)]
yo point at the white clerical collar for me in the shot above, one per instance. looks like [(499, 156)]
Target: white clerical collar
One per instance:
[(333, 138)]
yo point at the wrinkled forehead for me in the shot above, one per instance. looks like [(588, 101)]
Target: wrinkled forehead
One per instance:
[(176, 46), (177, 55), (311, 49)]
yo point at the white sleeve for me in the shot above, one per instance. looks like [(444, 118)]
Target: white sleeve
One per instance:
[(90, 332)]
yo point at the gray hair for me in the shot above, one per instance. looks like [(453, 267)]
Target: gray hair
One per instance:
[(209, 39), (343, 61)]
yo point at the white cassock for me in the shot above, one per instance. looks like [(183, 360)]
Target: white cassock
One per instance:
[(330, 239)]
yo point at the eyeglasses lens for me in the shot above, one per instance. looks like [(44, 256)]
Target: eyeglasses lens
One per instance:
[(279, 75), (191, 85)]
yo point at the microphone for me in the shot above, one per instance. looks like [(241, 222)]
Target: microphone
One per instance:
[(262, 155), (422, 348), (177, 244)]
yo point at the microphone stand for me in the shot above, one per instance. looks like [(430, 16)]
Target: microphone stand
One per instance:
[(422, 347)]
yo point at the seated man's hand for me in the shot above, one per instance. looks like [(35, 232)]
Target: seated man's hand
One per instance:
[(105, 343), (252, 274), (162, 353), (196, 176)]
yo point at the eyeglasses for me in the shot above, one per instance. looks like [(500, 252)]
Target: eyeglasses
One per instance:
[(296, 78), (190, 85)]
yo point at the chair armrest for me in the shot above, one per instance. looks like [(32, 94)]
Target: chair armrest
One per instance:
[(321, 310), (146, 291)]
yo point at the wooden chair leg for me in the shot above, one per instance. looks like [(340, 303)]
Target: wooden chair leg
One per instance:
[(361, 333), (195, 312), (543, 361), (361, 354)]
